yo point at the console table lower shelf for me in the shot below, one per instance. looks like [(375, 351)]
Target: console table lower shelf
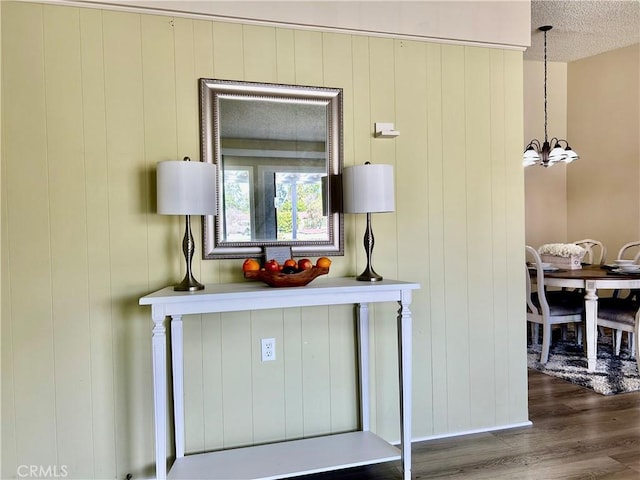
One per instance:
[(286, 459)]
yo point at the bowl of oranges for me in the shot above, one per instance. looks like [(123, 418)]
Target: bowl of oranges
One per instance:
[(290, 273)]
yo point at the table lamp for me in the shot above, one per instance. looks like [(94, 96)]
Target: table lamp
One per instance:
[(186, 188), (368, 189)]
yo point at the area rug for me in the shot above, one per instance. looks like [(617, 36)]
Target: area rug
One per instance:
[(567, 361)]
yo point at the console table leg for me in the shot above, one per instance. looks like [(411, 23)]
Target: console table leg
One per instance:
[(363, 355), (178, 382), (404, 362), (159, 353)]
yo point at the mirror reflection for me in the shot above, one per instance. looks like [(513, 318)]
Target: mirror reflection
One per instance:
[(277, 148), (273, 158)]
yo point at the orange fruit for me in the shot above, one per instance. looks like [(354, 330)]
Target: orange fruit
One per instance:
[(323, 262), (250, 265), (290, 263)]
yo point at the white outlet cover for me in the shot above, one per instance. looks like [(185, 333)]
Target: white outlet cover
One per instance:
[(268, 351)]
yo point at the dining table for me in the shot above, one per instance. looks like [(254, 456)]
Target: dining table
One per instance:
[(592, 278)]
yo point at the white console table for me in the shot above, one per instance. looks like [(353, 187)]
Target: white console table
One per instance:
[(287, 458)]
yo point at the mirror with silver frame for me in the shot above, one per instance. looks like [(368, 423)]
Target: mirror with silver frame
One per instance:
[(278, 149)]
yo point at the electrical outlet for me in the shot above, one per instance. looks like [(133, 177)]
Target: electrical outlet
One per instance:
[(268, 349)]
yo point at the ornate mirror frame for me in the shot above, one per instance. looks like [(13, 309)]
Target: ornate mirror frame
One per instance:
[(211, 92)]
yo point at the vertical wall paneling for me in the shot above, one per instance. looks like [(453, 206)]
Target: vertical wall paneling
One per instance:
[(213, 413), (499, 234), (479, 236), (194, 375), (202, 49), (186, 94), (7, 395), (237, 404), (343, 369), (436, 274), (228, 51), (455, 183), (260, 63), (27, 191), (68, 233), (291, 352), (285, 57), (412, 206), (517, 379), (98, 248), (316, 382), (307, 51), (93, 99), (8, 451), (128, 200)]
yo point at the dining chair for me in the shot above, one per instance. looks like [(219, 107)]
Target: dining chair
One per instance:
[(621, 315), (548, 308), (629, 250), (596, 251)]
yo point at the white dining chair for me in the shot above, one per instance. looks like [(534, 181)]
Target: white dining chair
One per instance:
[(596, 251), (548, 308), (621, 315), (629, 251)]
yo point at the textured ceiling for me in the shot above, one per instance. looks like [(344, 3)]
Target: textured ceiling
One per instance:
[(582, 28)]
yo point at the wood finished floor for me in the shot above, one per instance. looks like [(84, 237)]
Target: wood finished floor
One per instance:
[(576, 434)]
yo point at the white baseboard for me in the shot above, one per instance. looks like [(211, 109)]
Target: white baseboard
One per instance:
[(462, 433)]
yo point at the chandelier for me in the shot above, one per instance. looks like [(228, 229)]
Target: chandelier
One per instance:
[(547, 153)]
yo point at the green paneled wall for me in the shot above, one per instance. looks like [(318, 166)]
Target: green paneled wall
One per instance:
[(93, 99)]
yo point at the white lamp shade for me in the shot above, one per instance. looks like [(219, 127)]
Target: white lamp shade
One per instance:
[(186, 188), (368, 188)]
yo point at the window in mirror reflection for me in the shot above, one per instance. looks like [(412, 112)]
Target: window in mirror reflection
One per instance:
[(267, 198), (299, 208)]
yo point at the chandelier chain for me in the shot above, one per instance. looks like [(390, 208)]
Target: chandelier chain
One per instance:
[(545, 86)]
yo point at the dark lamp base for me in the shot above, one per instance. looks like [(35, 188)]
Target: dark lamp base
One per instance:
[(188, 284), (369, 275)]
